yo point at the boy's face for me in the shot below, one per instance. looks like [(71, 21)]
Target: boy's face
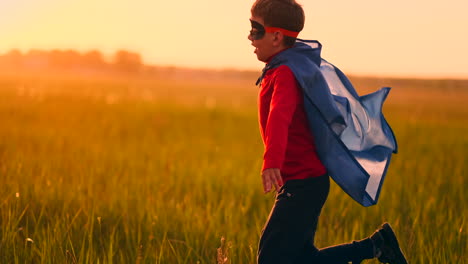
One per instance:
[(266, 44)]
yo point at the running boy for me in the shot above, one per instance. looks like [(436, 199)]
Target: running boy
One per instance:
[(291, 165)]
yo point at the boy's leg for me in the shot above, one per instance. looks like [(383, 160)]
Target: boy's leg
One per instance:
[(354, 252), (288, 236), (293, 220), (383, 244)]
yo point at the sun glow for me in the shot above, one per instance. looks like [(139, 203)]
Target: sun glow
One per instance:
[(397, 38)]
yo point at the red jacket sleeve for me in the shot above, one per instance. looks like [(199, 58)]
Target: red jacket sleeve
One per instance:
[(284, 101)]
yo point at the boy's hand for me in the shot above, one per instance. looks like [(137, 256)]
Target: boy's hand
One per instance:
[(271, 177)]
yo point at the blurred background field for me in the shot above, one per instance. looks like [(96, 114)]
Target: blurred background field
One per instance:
[(138, 169)]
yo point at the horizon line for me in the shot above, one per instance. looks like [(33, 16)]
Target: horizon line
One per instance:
[(107, 55), (349, 73)]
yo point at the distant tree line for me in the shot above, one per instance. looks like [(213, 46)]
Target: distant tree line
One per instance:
[(121, 60), (94, 62)]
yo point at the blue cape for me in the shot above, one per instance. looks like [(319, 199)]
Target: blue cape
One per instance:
[(353, 139)]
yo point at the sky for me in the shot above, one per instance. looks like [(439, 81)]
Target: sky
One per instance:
[(399, 38)]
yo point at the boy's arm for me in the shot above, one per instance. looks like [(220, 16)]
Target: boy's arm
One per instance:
[(284, 101)]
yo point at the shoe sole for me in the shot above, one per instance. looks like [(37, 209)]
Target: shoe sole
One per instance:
[(389, 235)]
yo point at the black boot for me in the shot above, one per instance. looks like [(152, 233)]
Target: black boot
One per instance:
[(386, 246)]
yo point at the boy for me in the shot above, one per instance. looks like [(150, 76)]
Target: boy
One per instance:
[(291, 165)]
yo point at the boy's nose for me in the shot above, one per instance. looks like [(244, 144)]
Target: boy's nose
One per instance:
[(249, 37)]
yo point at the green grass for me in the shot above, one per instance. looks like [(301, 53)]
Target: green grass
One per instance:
[(144, 171)]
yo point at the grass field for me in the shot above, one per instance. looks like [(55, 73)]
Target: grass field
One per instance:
[(165, 171)]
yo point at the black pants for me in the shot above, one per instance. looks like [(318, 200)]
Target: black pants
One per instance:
[(288, 236)]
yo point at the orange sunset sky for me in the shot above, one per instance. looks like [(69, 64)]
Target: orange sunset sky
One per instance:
[(402, 38)]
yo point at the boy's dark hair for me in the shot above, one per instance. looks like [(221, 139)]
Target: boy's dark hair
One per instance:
[(286, 14)]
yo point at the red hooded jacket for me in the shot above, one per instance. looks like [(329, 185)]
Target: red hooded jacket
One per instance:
[(289, 144)]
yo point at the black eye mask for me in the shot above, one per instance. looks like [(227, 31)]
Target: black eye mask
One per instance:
[(258, 31)]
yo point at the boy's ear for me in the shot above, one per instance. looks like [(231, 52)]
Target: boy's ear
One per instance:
[(278, 39)]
